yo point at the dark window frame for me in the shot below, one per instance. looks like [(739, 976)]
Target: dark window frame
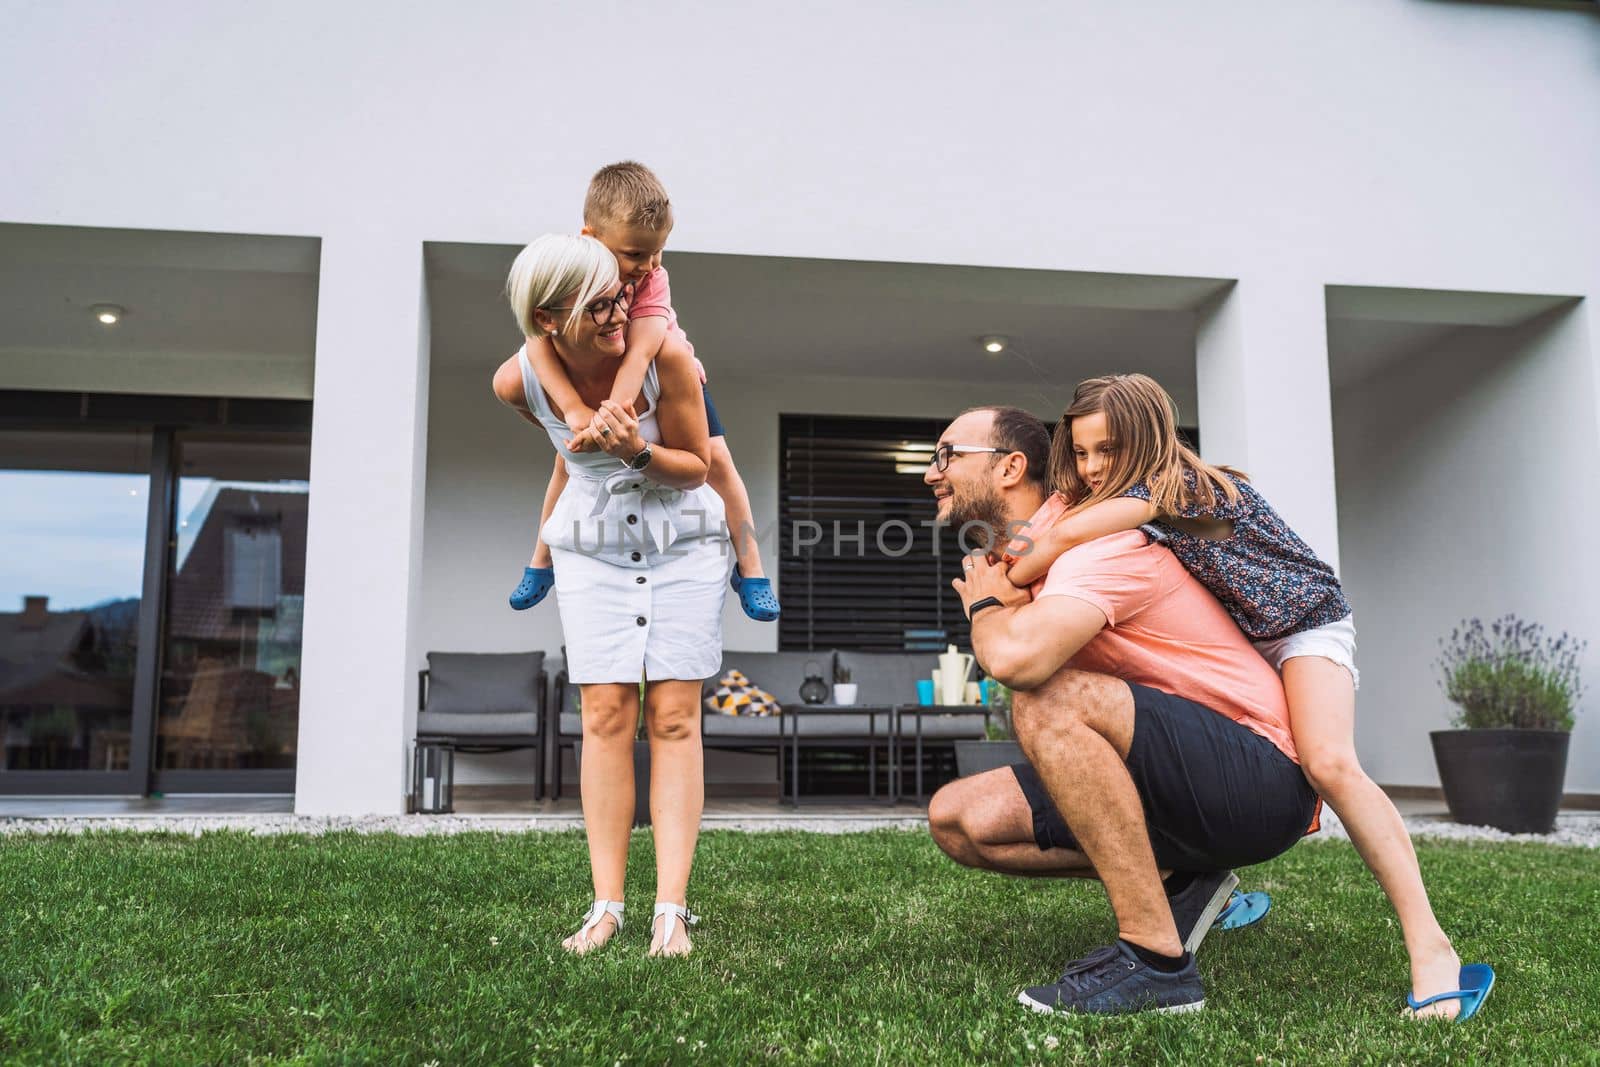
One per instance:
[(164, 417)]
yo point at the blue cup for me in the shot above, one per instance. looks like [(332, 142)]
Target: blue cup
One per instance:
[(925, 692)]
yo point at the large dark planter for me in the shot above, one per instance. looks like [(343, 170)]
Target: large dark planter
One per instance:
[(641, 778), (975, 757), (1508, 779)]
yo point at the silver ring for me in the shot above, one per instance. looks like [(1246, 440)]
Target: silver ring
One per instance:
[(605, 431)]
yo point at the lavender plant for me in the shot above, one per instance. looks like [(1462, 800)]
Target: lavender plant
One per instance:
[(1511, 674)]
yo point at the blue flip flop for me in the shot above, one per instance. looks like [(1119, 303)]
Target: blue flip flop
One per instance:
[(1244, 909), (1476, 981), (755, 596), (535, 586)]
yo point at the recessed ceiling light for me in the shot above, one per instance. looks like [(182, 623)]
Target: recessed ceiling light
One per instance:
[(994, 344), (108, 314)]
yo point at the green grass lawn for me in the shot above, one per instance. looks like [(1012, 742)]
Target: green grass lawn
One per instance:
[(854, 949)]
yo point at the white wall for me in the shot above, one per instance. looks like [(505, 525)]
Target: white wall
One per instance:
[(1467, 487), (364, 530), (1375, 141)]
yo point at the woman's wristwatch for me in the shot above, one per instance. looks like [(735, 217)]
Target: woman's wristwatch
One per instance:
[(641, 459)]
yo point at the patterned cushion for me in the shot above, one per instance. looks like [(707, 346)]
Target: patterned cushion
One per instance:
[(737, 695)]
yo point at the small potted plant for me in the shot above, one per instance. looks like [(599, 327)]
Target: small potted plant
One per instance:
[(844, 690), (999, 748), (1516, 689)]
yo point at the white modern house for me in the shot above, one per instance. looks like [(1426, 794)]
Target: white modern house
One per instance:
[(1357, 241)]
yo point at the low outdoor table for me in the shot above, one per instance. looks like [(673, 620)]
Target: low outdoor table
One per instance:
[(921, 713), (812, 722)]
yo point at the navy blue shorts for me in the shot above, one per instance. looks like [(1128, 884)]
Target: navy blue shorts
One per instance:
[(1216, 795), (713, 423)]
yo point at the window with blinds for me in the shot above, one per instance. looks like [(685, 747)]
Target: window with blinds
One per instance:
[(862, 565)]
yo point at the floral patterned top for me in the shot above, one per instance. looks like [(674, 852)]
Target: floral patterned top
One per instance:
[(1269, 580)]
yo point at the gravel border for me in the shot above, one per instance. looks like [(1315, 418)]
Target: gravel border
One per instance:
[(422, 825), (1580, 829)]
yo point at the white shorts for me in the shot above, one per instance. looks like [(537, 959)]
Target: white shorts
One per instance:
[(1335, 641)]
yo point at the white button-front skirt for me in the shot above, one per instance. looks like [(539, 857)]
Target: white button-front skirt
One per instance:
[(643, 595)]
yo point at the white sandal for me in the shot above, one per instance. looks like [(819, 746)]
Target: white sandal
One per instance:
[(597, 914), (673, 912)]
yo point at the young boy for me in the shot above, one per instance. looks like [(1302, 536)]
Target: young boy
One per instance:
[(627, 210)]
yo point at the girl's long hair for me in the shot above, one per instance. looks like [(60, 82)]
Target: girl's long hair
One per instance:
[(1143, 425)]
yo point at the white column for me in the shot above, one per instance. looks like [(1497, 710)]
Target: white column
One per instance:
[(1262, 373), (364, 541)]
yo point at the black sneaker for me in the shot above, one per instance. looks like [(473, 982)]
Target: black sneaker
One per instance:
[(1197, 905), (1113, 981)]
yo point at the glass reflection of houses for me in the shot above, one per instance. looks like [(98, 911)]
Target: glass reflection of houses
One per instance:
[(230, 690), (66, 686)]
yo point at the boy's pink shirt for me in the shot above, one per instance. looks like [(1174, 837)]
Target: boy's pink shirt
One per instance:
[(652, 298), (1165, 630)]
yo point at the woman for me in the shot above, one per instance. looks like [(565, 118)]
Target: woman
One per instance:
[(641, 565)]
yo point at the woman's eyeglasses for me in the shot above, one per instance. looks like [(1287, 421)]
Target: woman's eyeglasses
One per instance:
[(944, 453), (601, 309)]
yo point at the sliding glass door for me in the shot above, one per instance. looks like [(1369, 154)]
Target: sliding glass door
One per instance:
[(230, 678), (152, 586), (74, 512)]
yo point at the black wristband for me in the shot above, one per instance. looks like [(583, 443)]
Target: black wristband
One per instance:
[(979, 605)]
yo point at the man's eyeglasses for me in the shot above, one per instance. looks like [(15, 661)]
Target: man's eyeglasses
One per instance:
[(602, 308), (944, 453)]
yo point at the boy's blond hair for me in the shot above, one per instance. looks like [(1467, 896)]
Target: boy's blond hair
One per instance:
[(627, 193)]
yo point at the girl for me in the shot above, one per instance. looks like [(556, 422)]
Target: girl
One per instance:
[(1116, 464)]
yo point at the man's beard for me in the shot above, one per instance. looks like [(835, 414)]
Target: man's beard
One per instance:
[(983, 515)]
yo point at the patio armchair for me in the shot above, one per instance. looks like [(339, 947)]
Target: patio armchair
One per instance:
[(484, 702)]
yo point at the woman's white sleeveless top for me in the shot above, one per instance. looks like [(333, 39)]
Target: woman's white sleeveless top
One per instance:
[(609, 511)]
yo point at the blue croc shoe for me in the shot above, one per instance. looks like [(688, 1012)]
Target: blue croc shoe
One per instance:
[(1476, 981), (535, 586), (755, 596)]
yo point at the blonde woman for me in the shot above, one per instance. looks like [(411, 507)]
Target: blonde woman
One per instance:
[(641, 566)]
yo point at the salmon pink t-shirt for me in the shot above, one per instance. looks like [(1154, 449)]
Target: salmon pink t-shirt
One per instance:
[(652, 298), (1165, 630)]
